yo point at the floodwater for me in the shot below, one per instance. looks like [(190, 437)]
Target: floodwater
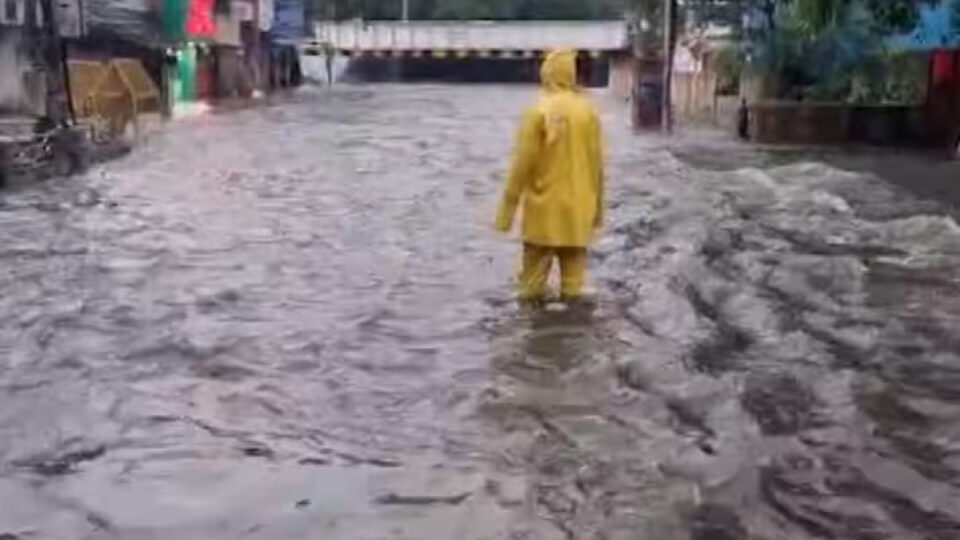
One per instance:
[(295, 321)]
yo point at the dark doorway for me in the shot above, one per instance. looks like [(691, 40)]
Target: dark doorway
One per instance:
[(593, 72)]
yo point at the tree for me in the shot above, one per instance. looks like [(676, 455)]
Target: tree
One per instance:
[(813, 16), (817, 48), (826, 49), (886, 15)]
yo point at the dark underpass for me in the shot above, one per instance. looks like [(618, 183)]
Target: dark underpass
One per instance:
[(592, 72)]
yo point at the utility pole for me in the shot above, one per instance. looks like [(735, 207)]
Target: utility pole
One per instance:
[(669, 40), (49, 51), (635, 52), (405, 11)]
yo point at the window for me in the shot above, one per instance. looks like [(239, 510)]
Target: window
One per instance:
[(14, 12), (11, 12)]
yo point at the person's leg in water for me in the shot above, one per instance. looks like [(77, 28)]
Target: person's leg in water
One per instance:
[(573, 271), (537, 262)]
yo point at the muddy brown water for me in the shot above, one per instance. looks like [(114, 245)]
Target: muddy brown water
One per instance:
[(294, 321)]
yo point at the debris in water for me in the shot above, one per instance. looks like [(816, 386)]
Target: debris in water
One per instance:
[(62, 464), (421, 500)]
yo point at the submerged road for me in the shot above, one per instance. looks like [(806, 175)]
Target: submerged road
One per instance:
[(295, 322)]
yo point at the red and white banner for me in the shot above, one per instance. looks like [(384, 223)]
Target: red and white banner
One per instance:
[(200, 21)]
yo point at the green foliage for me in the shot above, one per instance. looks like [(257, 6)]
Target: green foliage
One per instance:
[(817, 16), (728, 63), (895, 78), (727, 13), (897, 15), (835, 50), (647, 19), (814, 53)]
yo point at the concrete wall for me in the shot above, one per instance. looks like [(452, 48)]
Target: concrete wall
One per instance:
[(725, 113), (233, 75), (13, 66), (694, 96), (473, 35), (837, 123), (622, 75), (22, 84), (315, 68)]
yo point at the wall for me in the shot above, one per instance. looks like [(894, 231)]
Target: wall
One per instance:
[(228, 27), (943, 97), (12, 69), (694, 96), (622, 75), (266, 9), (778, 122), (473, 35), (17, 14), (233, 75)]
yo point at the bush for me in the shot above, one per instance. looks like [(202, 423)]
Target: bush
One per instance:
[(843, 61)]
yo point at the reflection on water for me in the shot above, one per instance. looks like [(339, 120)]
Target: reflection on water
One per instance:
[(295, 321)]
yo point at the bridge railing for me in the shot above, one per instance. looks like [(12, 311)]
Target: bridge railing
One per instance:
[(472, 35)]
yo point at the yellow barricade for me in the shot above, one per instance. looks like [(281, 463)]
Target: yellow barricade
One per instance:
[(112, 94)]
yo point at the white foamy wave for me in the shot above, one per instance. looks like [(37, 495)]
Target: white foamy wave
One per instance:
[(923, 234)]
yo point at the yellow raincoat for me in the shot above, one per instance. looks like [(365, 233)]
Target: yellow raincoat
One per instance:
[(557, 167), (557, 173)]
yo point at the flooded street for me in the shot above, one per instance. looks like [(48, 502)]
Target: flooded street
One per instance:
[(296, 322)]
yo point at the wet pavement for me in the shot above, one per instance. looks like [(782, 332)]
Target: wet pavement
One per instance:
[(295, 321)]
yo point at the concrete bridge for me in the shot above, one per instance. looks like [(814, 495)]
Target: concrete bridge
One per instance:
[(446, 39)]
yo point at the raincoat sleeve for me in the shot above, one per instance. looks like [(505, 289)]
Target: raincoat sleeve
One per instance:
[(597, 154), (524, 160)]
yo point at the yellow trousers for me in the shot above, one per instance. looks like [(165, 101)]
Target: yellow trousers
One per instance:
[(537, 263)]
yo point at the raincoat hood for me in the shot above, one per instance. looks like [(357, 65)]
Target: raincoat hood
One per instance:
[(559, 70)]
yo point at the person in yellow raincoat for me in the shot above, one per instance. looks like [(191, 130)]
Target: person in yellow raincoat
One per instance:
[(557, 174)]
